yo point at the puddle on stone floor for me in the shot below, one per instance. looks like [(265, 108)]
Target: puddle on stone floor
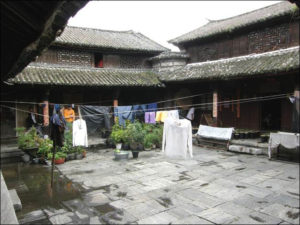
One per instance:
[(209, 163), (268, 186), (292, 193), (240, 186), (292, 178), (33, 185), (240, 168), (164, 201), (293, 215), (260, 202), (105, 208), (256, 218), (205, 184), (121, 194)]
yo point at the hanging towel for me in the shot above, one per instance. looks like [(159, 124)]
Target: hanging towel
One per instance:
[(80, 137), (152, 107), (173, 114), (139, 112), (124, 113), (161, 116), (150, 117), (190, 114)]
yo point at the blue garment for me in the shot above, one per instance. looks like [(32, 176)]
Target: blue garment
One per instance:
[(139, 112), (124, 113), (57, 107), (56, 120), (152, 107)]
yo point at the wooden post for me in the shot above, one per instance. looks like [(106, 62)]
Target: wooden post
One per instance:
[(215, 106), (238, 112), (46, 113), (53, 157)]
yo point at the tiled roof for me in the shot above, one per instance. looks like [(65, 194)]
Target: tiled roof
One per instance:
[(107, 39), (41, 74), (237, 22), (271, 63), (170, 55)]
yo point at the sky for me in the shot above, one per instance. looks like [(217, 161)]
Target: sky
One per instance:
[(159, 20)]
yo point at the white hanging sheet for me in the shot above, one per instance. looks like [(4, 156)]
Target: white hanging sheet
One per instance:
[(218, 133), (285, 139), (80, 137), (177, 138)]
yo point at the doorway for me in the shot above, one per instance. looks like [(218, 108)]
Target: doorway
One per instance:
[(271, 115)]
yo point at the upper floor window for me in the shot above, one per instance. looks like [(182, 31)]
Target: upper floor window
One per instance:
[(99, 60)]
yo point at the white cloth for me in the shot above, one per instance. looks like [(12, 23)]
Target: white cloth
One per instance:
[(80, 137), (173, 114), (177, 138), (285, 139), (218, 133), (190, 114), (33, 117)]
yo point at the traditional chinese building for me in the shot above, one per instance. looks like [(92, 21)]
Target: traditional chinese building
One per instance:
[(226, 64)]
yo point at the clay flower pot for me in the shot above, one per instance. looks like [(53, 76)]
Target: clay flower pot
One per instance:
[(59, 161)]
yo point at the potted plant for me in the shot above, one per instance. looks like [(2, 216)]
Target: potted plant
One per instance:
[(59, 157), (136, 135), (117, 135), (83, 153), (28, 141), (158, 131), (44, 148), (78, 152), (120, 155), (149, 140)]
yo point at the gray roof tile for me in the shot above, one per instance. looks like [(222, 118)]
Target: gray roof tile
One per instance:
[(107, 39), (48, 74), (274, 62), (237, 22)]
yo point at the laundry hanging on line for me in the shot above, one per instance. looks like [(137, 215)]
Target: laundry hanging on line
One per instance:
[(80, 136), (177, 138), (96, 117)]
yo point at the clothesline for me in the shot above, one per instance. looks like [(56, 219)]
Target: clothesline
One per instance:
[(201, 105), (85, 103)]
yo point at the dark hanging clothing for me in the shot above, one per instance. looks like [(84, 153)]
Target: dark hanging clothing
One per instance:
[(97, 117), (139, 112), (57, 125)]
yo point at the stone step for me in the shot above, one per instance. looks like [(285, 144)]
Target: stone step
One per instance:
[(256, 143), (15, 200), (248, 150), (12, 154)]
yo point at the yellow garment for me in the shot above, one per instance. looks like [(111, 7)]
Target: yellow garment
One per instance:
[(69, 115), (161, 116)]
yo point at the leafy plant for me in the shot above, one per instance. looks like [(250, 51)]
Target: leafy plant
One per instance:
[(58, 155), (149, 140), (135, 133), (29, 139), (45, 146)]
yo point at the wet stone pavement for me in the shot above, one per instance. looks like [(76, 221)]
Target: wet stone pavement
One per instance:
[(215, 187)]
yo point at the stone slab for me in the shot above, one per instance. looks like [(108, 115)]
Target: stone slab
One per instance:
[(15, 200)]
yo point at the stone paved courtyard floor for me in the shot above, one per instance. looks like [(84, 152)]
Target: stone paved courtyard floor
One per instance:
[(215, 187)]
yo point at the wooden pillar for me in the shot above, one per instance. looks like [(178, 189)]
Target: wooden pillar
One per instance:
[(116, 95), (238, 108), (46, 109), (215, 106)]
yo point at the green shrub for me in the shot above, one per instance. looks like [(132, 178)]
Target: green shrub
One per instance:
[(29, 139), (45, 147)]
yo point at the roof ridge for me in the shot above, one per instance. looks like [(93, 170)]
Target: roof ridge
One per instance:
[(228, 18), (282, 8), (98, 29), (57, 66), (246, 56), (139, 34)]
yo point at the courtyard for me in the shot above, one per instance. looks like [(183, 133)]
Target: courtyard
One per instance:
[(215, 187)]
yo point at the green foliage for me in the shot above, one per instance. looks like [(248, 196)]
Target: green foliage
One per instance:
[(118, 134), (58, 155), (135, 133), (45, 146), (29, 139), (149, 140)]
